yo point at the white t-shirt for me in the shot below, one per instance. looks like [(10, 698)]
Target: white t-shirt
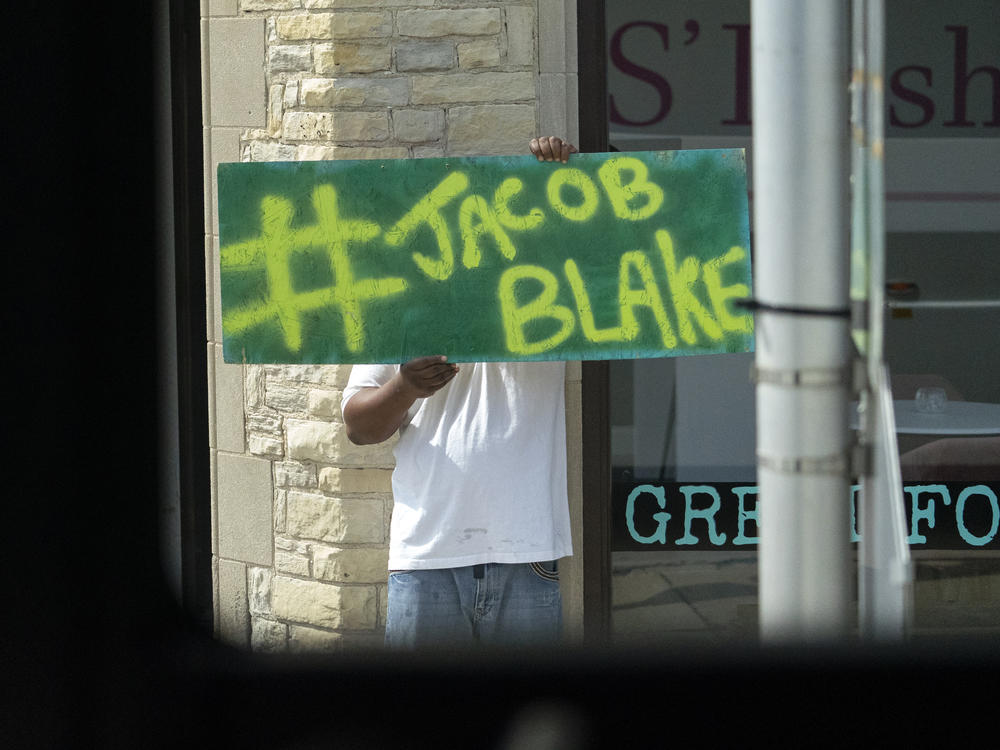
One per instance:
[(480, 467)]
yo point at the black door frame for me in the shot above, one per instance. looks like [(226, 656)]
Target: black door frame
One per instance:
[(596, 452), (185, 451)]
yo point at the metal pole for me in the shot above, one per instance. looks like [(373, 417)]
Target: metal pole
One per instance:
[(884, 568), (802, 362)]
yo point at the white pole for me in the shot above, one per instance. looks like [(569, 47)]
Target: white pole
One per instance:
[(802, 361), (884, 568)]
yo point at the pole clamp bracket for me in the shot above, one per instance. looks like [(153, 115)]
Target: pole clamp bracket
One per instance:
[(808, 377), (836, 464)]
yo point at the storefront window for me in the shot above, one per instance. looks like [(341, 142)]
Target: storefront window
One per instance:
[(941, 327), (683, 561), (683, 549)]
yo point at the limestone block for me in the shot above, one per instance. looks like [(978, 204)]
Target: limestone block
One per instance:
[(306, 640), (275, 108), (364, 3), (221, 145), (221, 7), (236, 90), (244, 501), (313, 441), (520, 35), (348, 57), (350, 565), (265, 445), (317, 92), (418, 125), (234, 617), (294, 474), (361, 126), (227, 396), (286, 398), (317, 152), (383, 604), (424, 56), (267, 636), (362, 25), (254, 386), (285, 544), (377, 92), (326, 442), (305, 26), (288, 58), (350, 520), (213, 289), (341, 126), (307, 126), (303, 373), (557, 104), (435, 23), (291, 563), (556, 36), (259, 590), (291, 95), (356, 152), (473, 87), (349, 481), (490, 129), (323, 403), (355, 92), (323, 604), (310, 152), (480, 53), (247, 5), (269, 151), (268, 423), (336, 375), (428, 152), (280, 509)]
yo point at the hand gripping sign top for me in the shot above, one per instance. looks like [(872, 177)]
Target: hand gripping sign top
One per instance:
[(609, 256)]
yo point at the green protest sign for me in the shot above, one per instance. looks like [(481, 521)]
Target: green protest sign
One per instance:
[(609, 256)]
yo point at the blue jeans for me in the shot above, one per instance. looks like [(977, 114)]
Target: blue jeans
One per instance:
[(496, 603)]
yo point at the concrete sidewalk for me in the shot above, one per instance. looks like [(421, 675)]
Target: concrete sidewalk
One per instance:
[(706, 598)]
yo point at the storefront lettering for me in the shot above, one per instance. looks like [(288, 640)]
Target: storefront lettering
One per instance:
[(979, 494), (948, 80), (703, 510), (637, 500)]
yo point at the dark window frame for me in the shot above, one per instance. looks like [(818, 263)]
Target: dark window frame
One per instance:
[(596, 423), (187, 450)]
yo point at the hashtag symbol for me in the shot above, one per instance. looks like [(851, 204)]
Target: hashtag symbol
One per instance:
[(273, 249)]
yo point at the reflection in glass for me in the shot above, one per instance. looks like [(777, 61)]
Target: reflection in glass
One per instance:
[(684, 563)]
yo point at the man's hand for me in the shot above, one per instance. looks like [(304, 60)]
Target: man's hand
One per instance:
[(551, 148), (427, 375), (374, 414)]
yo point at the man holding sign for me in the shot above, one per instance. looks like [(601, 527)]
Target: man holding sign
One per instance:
[(481, 513)]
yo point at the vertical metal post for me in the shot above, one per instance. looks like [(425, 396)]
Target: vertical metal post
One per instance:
[(884, 568), (802, 361)]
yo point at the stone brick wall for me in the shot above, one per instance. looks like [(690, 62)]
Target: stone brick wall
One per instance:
[(301, 514), (355, 79), (332, 500)]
